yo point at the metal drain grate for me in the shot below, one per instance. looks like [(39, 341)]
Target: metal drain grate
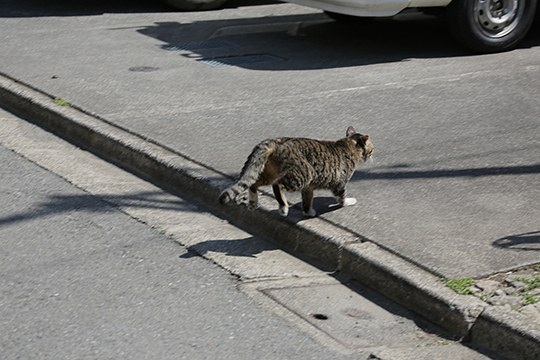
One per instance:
[(224, 61), (199, 45)]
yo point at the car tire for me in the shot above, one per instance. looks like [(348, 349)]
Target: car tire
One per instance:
[(487, 26), (194, 5)]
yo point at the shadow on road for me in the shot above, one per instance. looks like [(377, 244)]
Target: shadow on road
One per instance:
[(304, 42), (309, 41), (446, 173), (61, 204), (248, 247), (523, 242)]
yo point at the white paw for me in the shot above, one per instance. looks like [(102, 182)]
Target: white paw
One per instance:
[(310, 213), (349, 201), (252, 206), (283, 210)]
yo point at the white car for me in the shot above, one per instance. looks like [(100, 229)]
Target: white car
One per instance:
[(481, 25)]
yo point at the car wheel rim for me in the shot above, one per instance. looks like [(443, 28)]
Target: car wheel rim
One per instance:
[(497, 18)]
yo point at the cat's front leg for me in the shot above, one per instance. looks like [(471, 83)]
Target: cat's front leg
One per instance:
[(253, 199), (342, 199)]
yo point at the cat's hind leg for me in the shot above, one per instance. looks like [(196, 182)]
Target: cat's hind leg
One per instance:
[(307, 202), (279, 193), (298, 178), (267, 177)]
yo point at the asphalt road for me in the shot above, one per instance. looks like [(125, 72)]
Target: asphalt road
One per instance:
[(454, 184)]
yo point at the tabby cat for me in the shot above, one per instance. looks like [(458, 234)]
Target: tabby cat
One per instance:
[(298, 164)]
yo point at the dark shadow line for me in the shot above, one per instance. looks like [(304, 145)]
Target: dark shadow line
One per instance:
[(448, 173), (40, 8), (58, 204)]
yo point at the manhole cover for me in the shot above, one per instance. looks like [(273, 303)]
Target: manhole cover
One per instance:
[(349, 318), (239, 60), (143, 68)]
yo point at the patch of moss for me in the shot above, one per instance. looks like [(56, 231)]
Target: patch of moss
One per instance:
[(461, 286), (532, 283), (61, 102)]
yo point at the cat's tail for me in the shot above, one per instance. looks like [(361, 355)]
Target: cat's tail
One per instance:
[(253, 167)]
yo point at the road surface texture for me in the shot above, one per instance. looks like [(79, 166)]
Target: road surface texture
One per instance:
[(453, 188)]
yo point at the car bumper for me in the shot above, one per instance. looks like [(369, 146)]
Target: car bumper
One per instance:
[(368, 7)]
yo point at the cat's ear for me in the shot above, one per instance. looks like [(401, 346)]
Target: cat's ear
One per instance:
[(364, 138), (350, 131)]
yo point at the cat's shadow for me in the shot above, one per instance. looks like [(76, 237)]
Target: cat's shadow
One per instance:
[(248, 247), (322, 205), (325, 204)]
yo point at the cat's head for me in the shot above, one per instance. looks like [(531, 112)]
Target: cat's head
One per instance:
[(362, 142)]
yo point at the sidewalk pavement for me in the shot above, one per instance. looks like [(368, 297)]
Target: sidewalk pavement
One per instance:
[(454, 197)]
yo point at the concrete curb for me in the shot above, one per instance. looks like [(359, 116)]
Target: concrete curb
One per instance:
[(398, 279), (506, 332)]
